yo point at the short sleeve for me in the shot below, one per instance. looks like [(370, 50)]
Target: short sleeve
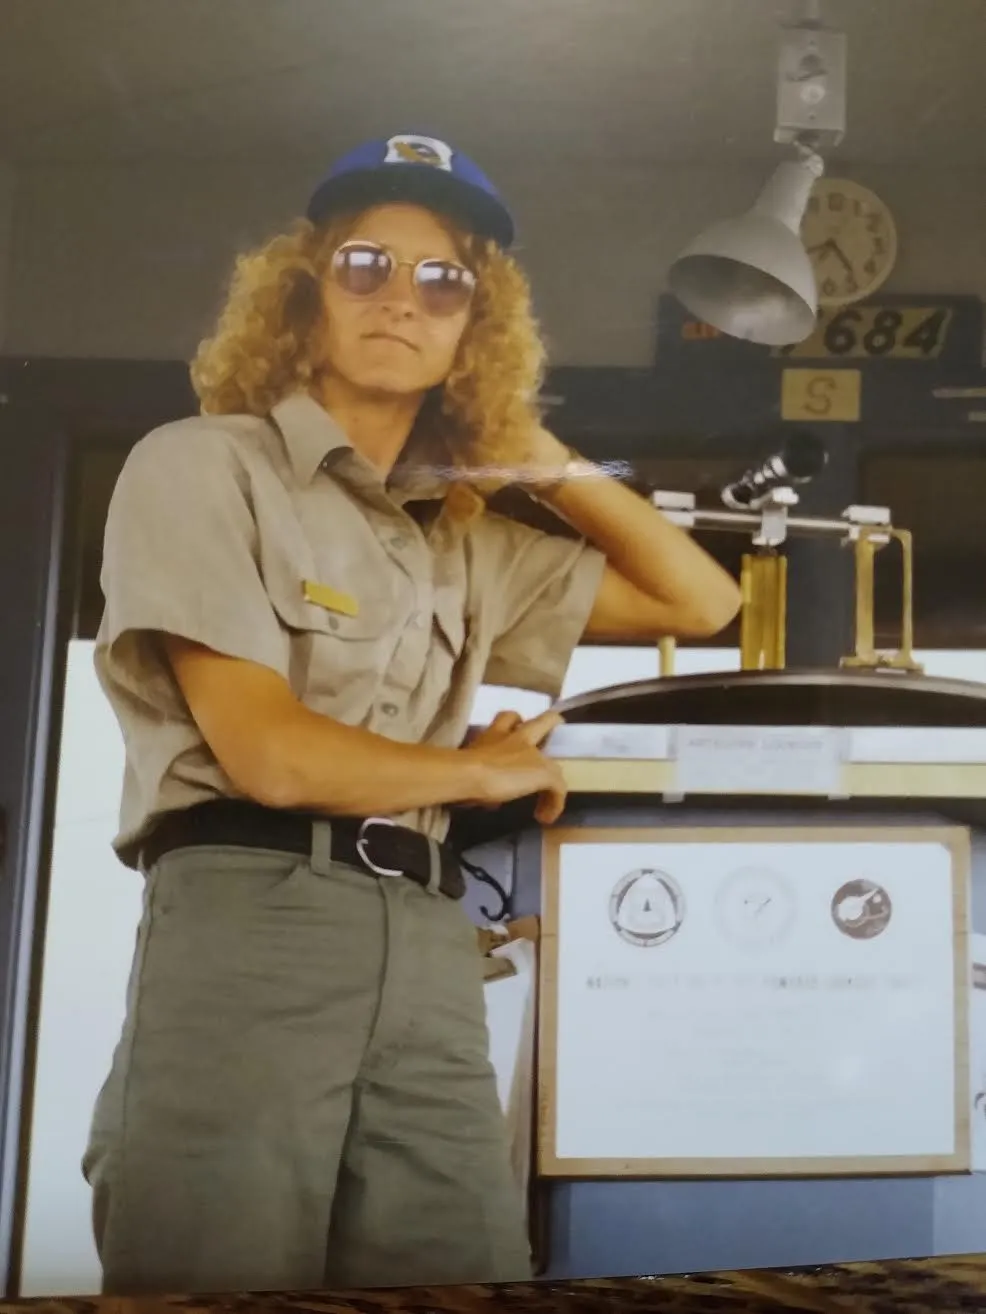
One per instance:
[(180, 557), (542, 589)]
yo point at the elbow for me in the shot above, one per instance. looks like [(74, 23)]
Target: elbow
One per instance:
[(710, 615), (264, 774), (724, 612), (272, 787)]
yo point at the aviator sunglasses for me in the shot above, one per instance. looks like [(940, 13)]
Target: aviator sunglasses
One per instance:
[(442, 287)]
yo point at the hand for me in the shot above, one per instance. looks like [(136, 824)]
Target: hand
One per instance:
[(511, 765)]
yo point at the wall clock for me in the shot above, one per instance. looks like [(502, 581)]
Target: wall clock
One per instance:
[(851, 238)]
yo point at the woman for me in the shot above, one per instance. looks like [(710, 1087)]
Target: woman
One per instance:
[(303, 593)]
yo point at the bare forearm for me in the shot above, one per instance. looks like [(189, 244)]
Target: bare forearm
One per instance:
[(638, 540), (657, 558), (280, 753), (315, 763)]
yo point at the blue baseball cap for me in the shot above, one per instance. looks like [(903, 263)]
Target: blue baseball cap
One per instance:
[(418, 170)]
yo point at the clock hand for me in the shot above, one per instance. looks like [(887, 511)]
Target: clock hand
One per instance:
[(845, 263), (830, 244), (758, 905)]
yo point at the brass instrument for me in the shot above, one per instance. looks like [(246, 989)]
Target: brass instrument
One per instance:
[(867, 543), (763, 583)]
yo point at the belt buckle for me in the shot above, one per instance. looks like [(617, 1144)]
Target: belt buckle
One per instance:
[(361, 839)]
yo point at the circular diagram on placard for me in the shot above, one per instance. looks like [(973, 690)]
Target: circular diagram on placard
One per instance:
[(646, 907), (861, 909), (755, 907)]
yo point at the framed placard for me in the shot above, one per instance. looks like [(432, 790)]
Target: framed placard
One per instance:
[(754, 1002)]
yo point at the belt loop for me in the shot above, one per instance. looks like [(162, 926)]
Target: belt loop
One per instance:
[(434, 885), (321, 859)]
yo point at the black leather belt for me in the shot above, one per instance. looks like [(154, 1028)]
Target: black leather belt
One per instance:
[(374, 844)]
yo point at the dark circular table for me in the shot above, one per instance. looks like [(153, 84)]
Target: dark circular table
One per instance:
[(793, 697)]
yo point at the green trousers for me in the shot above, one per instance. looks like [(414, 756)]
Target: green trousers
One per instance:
[(301, 1096)]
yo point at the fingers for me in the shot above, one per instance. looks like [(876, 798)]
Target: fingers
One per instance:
[(537, 730), (551, 801), (505, 721), (550, 806), (501, 727), (533, 732)]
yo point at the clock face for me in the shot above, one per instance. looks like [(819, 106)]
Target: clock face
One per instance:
[(850, 237)]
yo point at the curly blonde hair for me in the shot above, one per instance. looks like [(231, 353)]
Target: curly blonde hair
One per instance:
[(479, 419)]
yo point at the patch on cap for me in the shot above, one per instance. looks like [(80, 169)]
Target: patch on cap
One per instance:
[(419, 150)]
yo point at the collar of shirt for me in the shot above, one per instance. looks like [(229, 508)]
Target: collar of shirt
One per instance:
[(310, 434), (313, 439)]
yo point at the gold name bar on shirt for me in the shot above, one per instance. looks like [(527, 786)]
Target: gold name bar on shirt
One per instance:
[(331, 599)]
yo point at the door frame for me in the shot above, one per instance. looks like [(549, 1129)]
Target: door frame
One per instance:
[(50, 411)]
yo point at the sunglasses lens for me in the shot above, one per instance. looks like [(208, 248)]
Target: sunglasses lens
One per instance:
[(445, 288), (362, 268)]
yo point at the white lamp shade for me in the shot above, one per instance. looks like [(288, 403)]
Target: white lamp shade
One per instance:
[(750, 276)]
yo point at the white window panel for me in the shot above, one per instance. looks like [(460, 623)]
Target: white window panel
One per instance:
[(954, 664), (598, 668), (93, 910)]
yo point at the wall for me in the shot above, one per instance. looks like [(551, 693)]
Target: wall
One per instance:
[(128, 260), (7, 189)]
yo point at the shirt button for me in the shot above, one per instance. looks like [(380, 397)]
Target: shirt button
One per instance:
[(389, 709), (398, 541), (333, 622), (416, 620)]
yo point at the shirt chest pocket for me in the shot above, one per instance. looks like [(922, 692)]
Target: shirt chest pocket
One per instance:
[(338, 639)]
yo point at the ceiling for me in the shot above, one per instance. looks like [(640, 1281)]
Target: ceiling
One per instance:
[(641, 81)]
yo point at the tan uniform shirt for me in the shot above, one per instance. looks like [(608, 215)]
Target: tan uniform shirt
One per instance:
[(274, 541)]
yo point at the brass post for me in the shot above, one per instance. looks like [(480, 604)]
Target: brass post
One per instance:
[(763, 620), (869, 541), (906, 541), (666, 649), (866, 549)]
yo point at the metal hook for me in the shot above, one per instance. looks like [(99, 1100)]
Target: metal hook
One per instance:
[(481, 874)]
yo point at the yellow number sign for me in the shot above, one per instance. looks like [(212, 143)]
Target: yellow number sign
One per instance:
[(814, 395)]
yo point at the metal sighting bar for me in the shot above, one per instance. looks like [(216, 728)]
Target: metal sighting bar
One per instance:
[(771, 520), (796, 525)]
